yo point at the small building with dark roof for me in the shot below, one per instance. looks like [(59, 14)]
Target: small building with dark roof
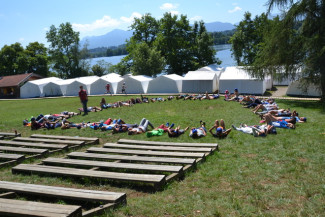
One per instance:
[(10, 85)]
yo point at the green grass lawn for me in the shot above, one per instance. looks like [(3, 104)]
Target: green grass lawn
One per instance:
[(280, 175)]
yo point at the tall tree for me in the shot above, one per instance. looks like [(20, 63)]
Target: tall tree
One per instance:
[(145, 29), (64, 50), (203, 52), (247, 38), (296, 42), (146, 60), (37, 59), (13, 60)]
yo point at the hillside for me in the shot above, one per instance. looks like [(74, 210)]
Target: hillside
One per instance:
[(118, 37)]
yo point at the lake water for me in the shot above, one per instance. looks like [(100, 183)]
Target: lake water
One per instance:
[(223, 53)]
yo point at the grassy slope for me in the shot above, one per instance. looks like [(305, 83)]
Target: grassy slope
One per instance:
[(278, 175)]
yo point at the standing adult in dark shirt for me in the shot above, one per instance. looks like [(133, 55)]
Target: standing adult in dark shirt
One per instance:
[(83, 99)]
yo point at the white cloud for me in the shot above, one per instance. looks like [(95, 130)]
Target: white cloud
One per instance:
[(235, 9), (168, 6), (21, 39), (234, 4), (46, 29), (196, 18), (131, 18), (105, 22)]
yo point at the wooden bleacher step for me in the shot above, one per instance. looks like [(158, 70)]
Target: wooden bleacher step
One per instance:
[(10, 207), (35, 145), (5, 134), (148, 153), (18, 157), (93, 156), (86, 139), (160, 148), (72, 172), (63, 193), (140, 142), (110, 165), (67, 142), (23, 150)]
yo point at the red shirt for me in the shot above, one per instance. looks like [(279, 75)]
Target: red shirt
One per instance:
[(107, 87), (83, 95)]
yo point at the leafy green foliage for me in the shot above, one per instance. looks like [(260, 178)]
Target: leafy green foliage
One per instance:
[(247, 38), (37, 59), (294, 44), (183, 47), (64, 50), (17, 60), (146, 60)]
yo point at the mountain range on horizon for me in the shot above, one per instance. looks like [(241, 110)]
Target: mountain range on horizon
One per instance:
[(118, 37)]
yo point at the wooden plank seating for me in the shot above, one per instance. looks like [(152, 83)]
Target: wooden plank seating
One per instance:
[(160, 148), (156, 180), (151, 143), (24, 150), (183, 161), (66, 142), (73, 194), (10, 207), (35, 145), (10, 159), (109, 165), (17, 157), (88, 140), (5, 134), (147, 153)]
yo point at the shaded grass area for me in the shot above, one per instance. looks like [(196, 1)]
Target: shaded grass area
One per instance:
[(279, 175)]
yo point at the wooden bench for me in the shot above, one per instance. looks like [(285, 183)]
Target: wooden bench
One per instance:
[(183, 161), (24, 150), (88, 140), (73, 194), (5, 134), (156, 180), (160, 148), (10, 159), (110, 165), (9, 207), (148, 153), (140, 142), (17, 157), (1, 137), (35, 145), (66, 142)]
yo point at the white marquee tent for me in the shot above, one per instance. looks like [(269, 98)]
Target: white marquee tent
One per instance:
[(212, 68), (113, 79), (237, 77), (166, 84), (296, 89), (135, 84), (200, 82), (93, 84), (52, 89), (35, 88)]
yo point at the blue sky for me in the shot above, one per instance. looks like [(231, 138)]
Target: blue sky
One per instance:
[(27, 21)]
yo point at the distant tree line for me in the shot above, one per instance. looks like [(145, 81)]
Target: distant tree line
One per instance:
[(108, 52), (218, 38), (222, 37)]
